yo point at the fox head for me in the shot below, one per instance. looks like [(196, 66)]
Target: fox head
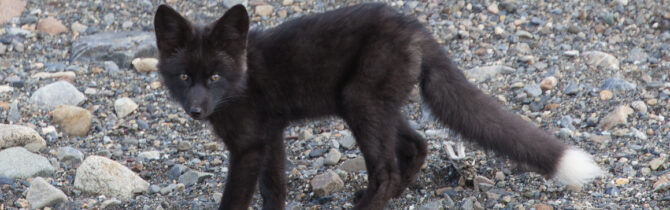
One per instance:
[(202, 66)]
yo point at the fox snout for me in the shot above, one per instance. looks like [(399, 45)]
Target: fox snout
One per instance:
[(195, 112), (197, 101)]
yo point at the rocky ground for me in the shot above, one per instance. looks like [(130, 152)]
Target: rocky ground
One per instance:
[(86, 123)]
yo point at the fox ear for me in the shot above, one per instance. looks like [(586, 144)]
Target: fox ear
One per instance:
[(232, 28), (172, 30)]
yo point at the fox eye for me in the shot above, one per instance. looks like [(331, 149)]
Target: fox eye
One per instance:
[(183, 77), (215, 77)]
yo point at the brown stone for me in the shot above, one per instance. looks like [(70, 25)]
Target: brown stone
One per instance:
[(10, 9), (600, 28), (326, 183), (541, 206), (74, 121), (51, 26)]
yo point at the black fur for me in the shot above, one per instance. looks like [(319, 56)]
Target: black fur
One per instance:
[(358, 63)]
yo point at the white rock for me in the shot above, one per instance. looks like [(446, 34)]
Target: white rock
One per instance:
[(101, 175), (46, 75), (145, 64), (264, 10), (640, 106), (493, 8), (6, 88), (41, 194), (17, 135), (124, 106), (150, 155), (571, 53), (601, 60)]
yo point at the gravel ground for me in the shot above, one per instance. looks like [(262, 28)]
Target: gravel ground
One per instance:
[(595, 73)]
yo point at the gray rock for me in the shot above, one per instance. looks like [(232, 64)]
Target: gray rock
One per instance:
[(637, 55), (613, 191), (9, 181), (19, 163), (433, 205), (468, 203), (316, 153), (294, 206), (42, 194), (231, 3), (57, 93), (571, 89), (348, 141), (14, 115), (332, 157), (193, 177), (119, 47), (617, 84), (524, 34), (111, 67), (533, 90), (154, 189), (184, 145), (482, 73), (111, 204), (102, 175), (353, 165), (108, 18), (326, 183), (168, 189), (70, 156), (176, 171), (567, 122), (18, 135), (482, 183), (305, 134)]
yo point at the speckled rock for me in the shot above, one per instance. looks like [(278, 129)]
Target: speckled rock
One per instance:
[(101, 175), (17, 135)]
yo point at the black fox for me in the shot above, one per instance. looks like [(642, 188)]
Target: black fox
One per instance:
[(358, 63)]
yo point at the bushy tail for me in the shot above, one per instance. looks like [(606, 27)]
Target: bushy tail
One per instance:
[(476, 116)]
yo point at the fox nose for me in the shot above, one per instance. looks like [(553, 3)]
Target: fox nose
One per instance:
[(195, 112)]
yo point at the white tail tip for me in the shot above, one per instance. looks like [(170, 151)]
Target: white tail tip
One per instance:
[(577, 168)]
